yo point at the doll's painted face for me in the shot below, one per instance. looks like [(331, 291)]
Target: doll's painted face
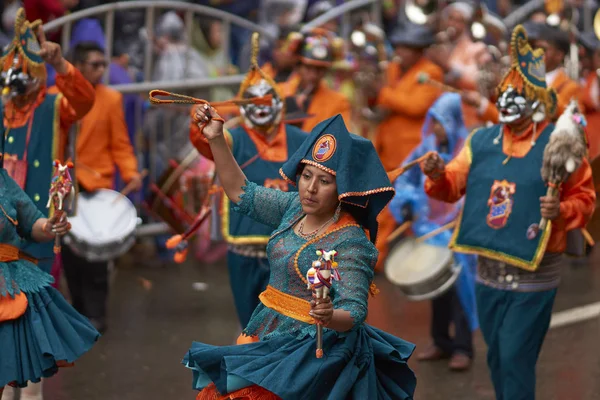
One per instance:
[(318, 191)]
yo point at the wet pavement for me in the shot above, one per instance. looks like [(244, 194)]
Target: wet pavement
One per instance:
[(150, 329)]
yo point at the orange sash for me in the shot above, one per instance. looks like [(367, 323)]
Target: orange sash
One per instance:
[(286, 304)]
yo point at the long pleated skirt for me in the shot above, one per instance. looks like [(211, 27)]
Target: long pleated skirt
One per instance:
[(49, 334), (364, 364)]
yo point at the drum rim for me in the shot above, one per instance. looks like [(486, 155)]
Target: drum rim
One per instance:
[(456, 269), (388, 266), (118, 238)]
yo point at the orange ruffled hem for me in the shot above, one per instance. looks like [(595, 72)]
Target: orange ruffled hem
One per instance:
[(253, 392)]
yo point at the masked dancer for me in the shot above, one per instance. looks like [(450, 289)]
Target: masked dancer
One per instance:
[(261, 144), (342, 187), (36, 123), (316, 50), (444, 131), (498, 172)]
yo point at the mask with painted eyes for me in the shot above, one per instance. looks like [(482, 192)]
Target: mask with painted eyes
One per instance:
[(15, 83), (262, 116), (514, 108)]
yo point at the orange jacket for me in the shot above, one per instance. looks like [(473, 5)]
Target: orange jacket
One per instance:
[(577, 197), (325, 103), (408, 101), (590, 99), (78, 99), (103, 141), (566, 90)]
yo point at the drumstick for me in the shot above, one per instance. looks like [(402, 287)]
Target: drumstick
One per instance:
[(424, 79), (395, 173), (130, 186), (90, 169), (588, 237), (437, 231), (399, 231)]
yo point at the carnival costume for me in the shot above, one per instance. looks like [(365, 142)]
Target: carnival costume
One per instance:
[(260, 159), (39, 330), (37, 134), (317, 48), (430, 214), (499, 172), (362, 363)]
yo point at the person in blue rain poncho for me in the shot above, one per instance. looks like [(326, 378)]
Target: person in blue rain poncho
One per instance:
[(444, 131)]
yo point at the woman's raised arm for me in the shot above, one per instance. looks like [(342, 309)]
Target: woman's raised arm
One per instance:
[(229, 172)]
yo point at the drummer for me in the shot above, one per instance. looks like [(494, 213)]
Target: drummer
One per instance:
[(498, 171), (102, 142), (444, 131), (261, 145)]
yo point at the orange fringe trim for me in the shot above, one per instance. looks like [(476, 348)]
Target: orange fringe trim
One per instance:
[(253, 392)]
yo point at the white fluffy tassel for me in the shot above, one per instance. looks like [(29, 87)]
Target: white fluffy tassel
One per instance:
[(570, 165)]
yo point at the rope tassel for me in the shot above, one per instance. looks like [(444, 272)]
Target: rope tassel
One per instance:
[(183, 99)]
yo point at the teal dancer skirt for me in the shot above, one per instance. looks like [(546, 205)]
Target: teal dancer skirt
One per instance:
[(49, 332), (363, 364)]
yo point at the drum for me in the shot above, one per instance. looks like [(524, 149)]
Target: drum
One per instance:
[(421, 271), (179, 193), (103, 227)]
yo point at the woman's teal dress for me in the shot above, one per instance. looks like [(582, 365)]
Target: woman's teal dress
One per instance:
[(50, 330), (364, 363)]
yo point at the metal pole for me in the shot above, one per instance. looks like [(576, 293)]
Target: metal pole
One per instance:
[(149, 43), (109, 32), (189, 29), (161, 4), (65, 38), (227, 43), (185, 84), (336, 12)]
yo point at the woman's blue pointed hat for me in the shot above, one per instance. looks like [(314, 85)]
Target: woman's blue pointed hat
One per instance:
[(362, 182)]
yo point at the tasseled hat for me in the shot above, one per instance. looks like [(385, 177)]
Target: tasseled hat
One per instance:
[(25, 45), (318, 47), (527, 74), (362, 182), (255, 74)]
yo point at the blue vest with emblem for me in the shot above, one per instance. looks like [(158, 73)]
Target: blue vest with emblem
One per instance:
[(42, 151), (240, 229), (502, 202)]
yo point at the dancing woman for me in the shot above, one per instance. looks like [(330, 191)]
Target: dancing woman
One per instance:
[(342, 187), (39, 330)]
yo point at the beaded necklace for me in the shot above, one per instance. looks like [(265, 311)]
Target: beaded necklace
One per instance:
[(311, 235)]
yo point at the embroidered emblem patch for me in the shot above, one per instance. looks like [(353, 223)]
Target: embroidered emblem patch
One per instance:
[(324, 148), (500, 203)]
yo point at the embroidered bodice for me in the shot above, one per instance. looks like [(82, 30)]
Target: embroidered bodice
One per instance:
[(290, 258), (18, 207)]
